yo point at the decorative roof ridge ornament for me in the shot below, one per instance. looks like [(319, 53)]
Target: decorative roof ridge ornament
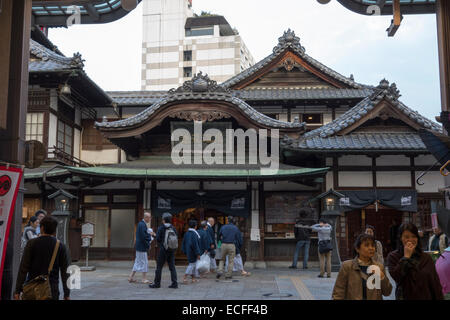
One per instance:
[(199, 83), (391, 91), (77, 61), (289, 39)]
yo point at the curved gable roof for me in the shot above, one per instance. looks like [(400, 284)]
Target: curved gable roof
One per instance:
[(291, 42), (199, 89), (383, 91)]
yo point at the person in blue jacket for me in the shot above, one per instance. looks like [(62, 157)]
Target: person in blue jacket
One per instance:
[(205, 238), (192, 248), (143, 239)]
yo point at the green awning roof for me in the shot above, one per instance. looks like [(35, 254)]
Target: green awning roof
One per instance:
[(37, 174), (189, 173)]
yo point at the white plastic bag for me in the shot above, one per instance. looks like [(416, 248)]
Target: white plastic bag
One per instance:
[(203, 264)]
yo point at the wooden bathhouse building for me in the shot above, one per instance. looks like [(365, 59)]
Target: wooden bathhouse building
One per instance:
[(336, 135)]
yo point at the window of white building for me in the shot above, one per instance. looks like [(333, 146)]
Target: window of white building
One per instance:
[(208, 31), (187, 72), (187, 55)]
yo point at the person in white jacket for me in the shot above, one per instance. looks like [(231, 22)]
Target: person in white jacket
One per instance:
[(323, 230)]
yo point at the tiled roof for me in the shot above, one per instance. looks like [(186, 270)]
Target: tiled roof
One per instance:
[(302, 94), (135, 98), (383, 91), (359, 141), (200, 88), (47, 60), (146, 98), (290, 41)]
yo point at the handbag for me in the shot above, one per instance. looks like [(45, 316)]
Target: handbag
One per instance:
[(203, 264), (39, 287), (325, 246)]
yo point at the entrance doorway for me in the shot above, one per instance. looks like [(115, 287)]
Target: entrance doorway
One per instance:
[(381, 220), (181, 223), (114, 232)]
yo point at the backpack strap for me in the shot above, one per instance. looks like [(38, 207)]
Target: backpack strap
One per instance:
[(55, 252)]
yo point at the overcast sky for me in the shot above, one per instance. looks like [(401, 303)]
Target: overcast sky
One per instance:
[(345, 41)]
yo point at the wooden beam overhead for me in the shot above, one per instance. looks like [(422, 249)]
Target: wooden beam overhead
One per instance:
[(397, 18)]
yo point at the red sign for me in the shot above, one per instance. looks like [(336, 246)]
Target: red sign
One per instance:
[(9, 186)]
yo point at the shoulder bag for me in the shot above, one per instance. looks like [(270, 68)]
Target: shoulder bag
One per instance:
[(39, 287)]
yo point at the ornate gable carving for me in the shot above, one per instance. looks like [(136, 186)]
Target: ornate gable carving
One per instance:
[(202, 116), (199, 83)]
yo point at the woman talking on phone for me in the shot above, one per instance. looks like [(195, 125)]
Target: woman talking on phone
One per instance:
[(412, 269)]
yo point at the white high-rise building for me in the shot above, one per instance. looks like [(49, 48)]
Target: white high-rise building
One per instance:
[(177, 44)]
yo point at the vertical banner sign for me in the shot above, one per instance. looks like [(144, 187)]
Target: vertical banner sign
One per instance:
[(434, 220), (9, 186)]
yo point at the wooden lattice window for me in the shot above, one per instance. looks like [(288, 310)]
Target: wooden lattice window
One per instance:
[(65, 137), (38, 98), (93, 139), (424, 212), (35, 126)]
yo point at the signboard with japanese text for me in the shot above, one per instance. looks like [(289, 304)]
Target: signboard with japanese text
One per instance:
[(284, 208), (9, 186), (87, 230)]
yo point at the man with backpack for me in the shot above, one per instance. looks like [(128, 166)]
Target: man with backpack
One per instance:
[(167, 240)]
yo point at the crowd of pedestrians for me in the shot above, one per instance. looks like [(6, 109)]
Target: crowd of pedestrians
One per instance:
[(365, 277), (202, 247), (414, 272)]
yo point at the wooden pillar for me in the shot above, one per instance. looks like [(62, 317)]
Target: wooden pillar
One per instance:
[(335, 173), (140, 201), (413, 172), (443, 35), (363, 219), (374, 172), (15, 20), (261, 202)]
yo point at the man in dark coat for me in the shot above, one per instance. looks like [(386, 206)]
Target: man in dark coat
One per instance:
[(302, 235), (192, 248), (165, 254), (212, 250), (143, 239), (36, 260)]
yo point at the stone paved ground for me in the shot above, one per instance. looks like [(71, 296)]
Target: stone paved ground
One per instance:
[(109, 282)]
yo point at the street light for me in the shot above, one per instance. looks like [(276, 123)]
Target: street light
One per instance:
[(62, 213)]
